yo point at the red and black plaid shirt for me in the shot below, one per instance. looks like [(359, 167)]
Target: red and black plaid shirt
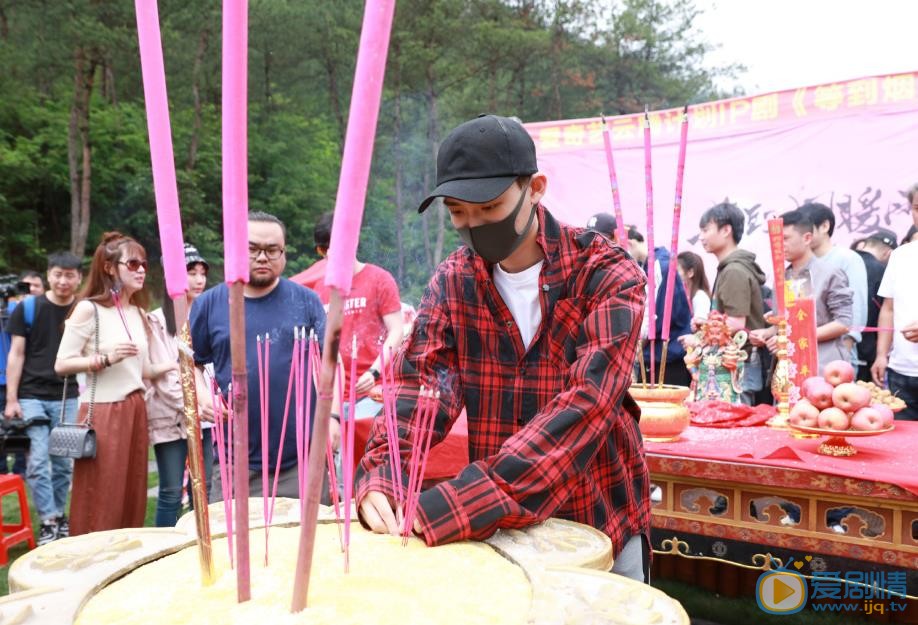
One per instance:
[(552, 430)]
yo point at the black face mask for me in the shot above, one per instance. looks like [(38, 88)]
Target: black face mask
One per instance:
[(495, 242)]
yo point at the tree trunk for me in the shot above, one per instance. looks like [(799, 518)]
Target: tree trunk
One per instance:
[(4, 23), (196, 95), (433, 138), (79, 149), (332, 71)]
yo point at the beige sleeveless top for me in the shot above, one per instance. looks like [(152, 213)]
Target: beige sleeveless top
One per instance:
[(123, 378)]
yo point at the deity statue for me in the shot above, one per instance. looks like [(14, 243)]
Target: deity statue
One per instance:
[(714, 356)]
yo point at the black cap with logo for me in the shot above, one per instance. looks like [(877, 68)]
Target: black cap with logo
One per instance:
[(481, 158), (886, 237)]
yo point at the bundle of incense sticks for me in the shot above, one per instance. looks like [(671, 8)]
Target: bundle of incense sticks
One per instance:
[(116, 299), (283, 433), (224, 460), (304, 372), (263, 354), (302, 443), (651, 252), (391, 421), (425, 413)]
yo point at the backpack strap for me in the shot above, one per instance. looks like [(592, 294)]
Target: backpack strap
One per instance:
[(28, 312)]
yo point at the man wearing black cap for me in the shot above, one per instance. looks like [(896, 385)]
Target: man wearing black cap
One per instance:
[(533, 328), (874, 251)]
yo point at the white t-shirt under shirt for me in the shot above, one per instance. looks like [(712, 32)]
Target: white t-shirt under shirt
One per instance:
[(898, 284), (520, 292)]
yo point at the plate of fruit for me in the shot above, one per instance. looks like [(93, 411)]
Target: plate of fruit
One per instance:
[(836, 406)]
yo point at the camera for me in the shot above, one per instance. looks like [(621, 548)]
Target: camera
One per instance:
[(12, 286)]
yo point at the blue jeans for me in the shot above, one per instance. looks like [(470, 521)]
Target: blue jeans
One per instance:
[(48, 477), (170, 462)]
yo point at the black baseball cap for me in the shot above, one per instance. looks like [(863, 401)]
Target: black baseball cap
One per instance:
[(481, 158), (603, 223), (886, 237)]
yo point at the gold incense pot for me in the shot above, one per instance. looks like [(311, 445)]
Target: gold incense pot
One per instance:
[(664, 416)]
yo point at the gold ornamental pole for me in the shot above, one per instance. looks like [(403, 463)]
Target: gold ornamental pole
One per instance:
[(195, 457), (781, 381)]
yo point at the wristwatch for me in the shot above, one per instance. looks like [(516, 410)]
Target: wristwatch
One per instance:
[(374, 373)]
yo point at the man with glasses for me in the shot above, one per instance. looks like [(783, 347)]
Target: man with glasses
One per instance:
[(274, 306), (533, 327)]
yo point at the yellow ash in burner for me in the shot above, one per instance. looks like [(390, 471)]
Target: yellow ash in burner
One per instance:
[(387, 584)]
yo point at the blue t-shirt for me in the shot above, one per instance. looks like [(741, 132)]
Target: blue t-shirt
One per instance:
[(275, 314)]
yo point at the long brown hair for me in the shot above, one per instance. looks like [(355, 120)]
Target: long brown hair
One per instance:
[(99, 283), (690, 261)]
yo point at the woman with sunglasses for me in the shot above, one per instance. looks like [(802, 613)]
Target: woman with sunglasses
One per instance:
[(165, 404), (106, 338)]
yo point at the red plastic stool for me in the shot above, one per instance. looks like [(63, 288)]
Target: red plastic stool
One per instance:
[(21, 532)]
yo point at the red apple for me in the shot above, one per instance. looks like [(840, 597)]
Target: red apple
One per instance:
[(805, 413), (818, 391), (833, 419), (867, 419), (887, 414), (838, 372), (850, 397)]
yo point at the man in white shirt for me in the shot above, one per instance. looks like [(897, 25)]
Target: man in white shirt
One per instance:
[(899, 311)]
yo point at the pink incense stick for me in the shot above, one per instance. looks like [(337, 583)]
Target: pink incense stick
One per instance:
[(870, 329), (674, 245), (333, 485), (159, 131), (307, 367), (613, 182), (219, 423), (347, 455), (298, 413), (651, 254)]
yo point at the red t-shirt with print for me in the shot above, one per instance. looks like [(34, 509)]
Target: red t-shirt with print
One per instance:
[(373, 295)]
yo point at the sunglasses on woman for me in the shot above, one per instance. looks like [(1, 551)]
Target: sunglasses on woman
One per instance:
[(134, 264)]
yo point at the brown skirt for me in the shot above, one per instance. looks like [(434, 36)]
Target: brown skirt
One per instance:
[(110, 490)]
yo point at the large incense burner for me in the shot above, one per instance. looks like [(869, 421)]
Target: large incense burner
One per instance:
[(550, 573)]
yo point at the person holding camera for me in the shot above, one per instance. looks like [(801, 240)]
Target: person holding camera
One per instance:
[(37, 395)]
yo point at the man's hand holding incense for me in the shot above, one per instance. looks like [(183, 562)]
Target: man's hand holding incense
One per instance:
[(377, 512)]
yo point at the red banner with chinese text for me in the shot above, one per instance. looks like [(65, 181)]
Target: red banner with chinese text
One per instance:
[(802, 340)]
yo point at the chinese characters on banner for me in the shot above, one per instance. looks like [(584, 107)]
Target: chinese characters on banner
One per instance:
[(846, 145), (802, 336)]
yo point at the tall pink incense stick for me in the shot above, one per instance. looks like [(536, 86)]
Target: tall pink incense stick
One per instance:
[(165, 188), (306, 369), (651, 254), (674, 244), (349, 206), (236, 259), (298, 414), (613, 182)]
